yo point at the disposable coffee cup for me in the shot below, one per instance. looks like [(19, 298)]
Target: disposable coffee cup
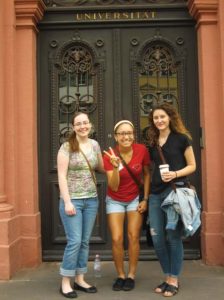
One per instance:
[(164, 168)]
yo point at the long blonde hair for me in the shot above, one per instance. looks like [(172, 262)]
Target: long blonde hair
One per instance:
[(176, 123)]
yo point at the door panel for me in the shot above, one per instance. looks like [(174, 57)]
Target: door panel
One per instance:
[(120, 88)]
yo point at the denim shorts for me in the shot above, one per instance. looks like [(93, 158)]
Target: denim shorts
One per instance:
[(113, 206)]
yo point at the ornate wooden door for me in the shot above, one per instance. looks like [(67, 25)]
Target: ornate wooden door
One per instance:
[(112, 61)]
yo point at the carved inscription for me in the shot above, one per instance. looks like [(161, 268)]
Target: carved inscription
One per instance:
[(115, 16)]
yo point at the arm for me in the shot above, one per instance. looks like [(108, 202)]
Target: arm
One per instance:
[(100, 167), (113, 176), (113, 179), (144, 203), (62, 162), (191, 163), (190, 167)]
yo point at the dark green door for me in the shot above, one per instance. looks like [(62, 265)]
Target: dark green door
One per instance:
[(112, 70)]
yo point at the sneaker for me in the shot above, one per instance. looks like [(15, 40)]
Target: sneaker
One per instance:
[(118, 284), (129, 284)]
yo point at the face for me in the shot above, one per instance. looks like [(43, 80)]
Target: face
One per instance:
[(124, 135), (161, 119), (82, 125)]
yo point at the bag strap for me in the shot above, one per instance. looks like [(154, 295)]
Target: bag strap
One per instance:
[(129, 170), (164, 162), (161, 154), (90, 168)]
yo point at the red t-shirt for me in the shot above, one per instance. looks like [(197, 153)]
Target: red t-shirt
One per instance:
[(128, 189)]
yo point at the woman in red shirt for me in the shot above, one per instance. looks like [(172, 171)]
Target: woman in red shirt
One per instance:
[(123, 198)]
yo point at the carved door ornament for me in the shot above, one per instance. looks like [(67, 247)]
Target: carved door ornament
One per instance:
[(76, 80), (158, 80), (159, 70), (72, 3)]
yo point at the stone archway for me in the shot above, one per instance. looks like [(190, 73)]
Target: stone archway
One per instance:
[(19, 209)]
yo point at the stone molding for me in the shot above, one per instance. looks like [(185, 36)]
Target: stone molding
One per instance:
[(204, 11), (29, 13)]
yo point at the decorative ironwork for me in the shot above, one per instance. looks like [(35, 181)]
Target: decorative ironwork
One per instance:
[(73, 3), (76, 79), (134, 42), (114, 1), (99, 43), (165, 1), (77, 60), (65, 2), (157, 78), (179, 41), (54, 44)]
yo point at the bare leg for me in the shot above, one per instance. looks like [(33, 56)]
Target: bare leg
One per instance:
[(79, 279), (160, 290), (174, 282), (134, 226), (116, 224), (66, 285)]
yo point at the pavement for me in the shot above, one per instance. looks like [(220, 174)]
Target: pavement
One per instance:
[(197, 282)]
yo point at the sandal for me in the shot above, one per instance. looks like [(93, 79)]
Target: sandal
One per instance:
[(172, 289), (162, 288)]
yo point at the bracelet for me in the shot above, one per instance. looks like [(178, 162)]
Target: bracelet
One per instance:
[(175, 173), (145, 199), (115, 167)]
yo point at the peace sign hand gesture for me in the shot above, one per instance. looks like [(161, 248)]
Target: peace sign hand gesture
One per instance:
[(114, 160)]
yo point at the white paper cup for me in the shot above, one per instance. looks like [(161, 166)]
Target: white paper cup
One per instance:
[(164, 168)]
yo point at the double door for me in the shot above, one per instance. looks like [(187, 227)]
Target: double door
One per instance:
[(112, 73)]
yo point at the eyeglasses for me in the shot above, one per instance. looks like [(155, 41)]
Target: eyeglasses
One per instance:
[(81, 123), (124, 133)]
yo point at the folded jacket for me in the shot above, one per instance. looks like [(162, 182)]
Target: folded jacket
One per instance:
[(182, 203)]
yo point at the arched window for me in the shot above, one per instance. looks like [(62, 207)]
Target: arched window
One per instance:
[(76, 86), (157, 78)]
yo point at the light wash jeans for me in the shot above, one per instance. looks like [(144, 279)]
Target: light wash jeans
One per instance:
[(78, 229), (167, 243)]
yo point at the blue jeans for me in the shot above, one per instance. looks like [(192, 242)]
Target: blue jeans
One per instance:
[(167, 243), (78, 229)]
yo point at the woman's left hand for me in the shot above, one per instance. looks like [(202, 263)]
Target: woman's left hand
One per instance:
[(143, 206)]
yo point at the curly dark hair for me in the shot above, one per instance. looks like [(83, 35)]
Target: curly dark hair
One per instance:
[(176, 123)]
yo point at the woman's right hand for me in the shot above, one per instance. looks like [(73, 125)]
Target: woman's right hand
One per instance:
[(114, 160), (70, 209)]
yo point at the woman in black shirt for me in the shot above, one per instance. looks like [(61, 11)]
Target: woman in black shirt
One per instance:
[(166, 129)]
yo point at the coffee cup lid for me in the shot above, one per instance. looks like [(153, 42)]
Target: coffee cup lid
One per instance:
[(164, 166)]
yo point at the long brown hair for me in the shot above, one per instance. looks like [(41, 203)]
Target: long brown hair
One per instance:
[(72, 140), (176, 123)]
